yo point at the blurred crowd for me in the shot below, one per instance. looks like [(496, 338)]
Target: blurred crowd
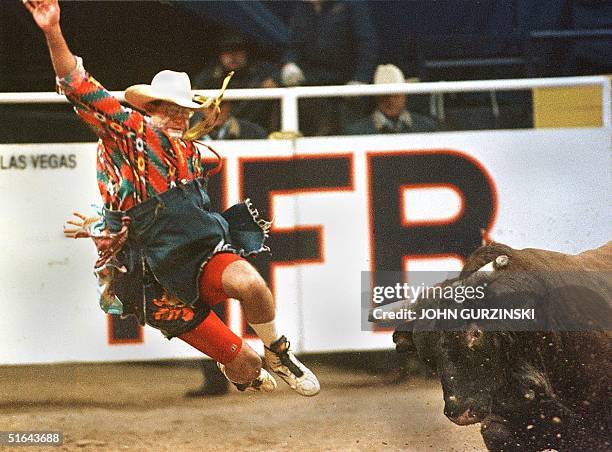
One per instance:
[(330, 43), (313, 43)]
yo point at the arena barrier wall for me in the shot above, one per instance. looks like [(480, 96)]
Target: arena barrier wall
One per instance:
[(340, 205)]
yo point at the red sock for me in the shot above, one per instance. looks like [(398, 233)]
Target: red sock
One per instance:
[(213, 338)]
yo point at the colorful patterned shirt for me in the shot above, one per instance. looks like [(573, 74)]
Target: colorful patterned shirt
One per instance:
[(135, 160)]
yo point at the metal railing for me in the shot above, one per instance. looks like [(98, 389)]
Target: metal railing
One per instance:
[(289, 96)]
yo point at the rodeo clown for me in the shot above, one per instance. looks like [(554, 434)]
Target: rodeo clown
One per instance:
[(165, 257)]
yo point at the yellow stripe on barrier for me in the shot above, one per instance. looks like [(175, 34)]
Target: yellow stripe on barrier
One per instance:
[(579, 106)]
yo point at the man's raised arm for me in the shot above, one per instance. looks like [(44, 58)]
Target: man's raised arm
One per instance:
[(92, 102), (46, 14)]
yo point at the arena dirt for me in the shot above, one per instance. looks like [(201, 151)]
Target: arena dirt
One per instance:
[(140, 407)]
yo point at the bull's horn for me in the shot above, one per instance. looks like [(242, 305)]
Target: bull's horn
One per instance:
[(488, 267), (481, 275), (500, 261)]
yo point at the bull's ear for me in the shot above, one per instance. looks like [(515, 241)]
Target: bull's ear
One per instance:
[(403, 341)]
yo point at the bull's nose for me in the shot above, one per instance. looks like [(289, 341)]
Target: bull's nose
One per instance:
[(459, 414), (465, 418)]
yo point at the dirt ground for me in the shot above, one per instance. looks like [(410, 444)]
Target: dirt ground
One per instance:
[(141, 407)]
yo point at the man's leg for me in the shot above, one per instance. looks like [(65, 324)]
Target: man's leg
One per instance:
[(215, 339), (237, 360), (208, 334), (240, 280)]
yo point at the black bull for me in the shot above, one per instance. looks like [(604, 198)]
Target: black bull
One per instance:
[(530, 390)]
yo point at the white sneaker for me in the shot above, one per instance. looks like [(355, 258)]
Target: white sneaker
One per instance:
[(284, 364), (264, 383)]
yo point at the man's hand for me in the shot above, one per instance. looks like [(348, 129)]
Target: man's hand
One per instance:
[(46, 13), (292, 75), (82, 224)]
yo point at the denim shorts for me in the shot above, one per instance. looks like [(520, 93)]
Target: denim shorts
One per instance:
[(171, 237)]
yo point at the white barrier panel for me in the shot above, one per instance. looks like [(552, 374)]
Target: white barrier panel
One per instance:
[(336, 206), (553, 191)]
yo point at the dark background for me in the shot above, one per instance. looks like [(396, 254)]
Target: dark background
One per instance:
[(128, 42)]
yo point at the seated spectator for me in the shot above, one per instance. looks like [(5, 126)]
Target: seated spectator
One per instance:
[(330, 43), (229, 127), (390, 114), (235, 54)]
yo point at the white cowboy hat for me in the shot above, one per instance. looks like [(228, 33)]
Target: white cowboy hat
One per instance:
[(388, 73), (169, 86)]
